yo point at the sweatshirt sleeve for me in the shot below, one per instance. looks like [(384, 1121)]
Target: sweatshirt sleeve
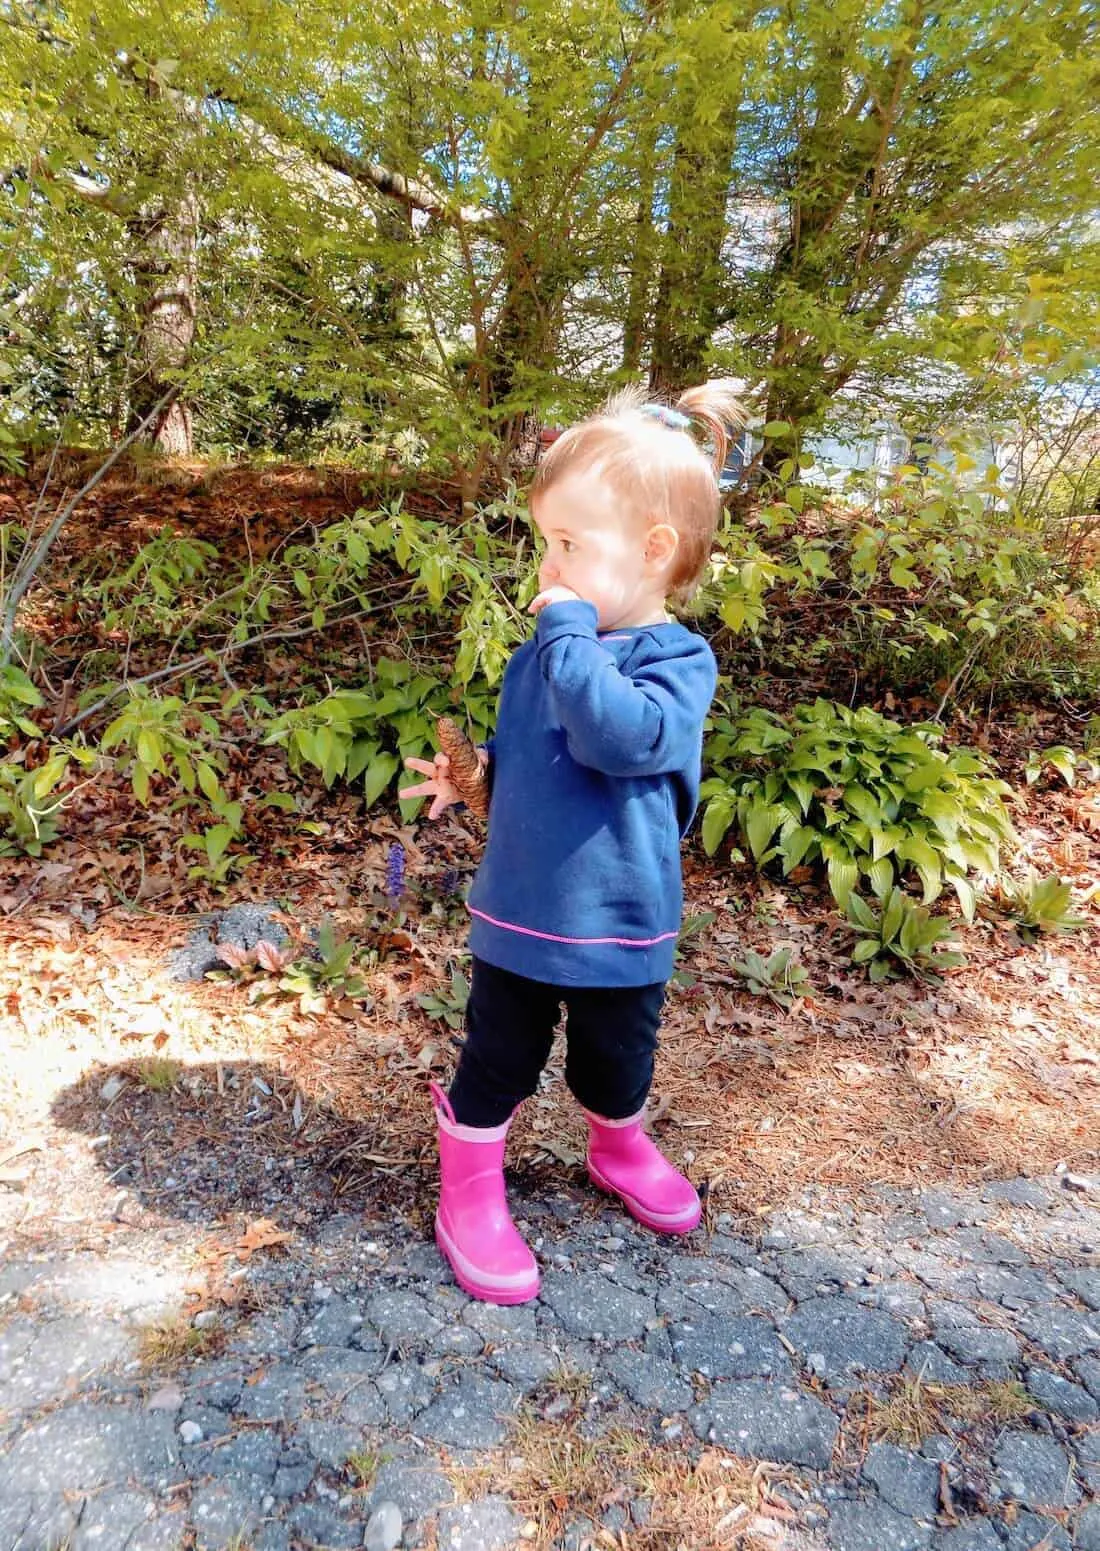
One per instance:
[(645, 721)]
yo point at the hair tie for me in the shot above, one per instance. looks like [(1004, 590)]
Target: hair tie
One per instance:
[(670, 417)]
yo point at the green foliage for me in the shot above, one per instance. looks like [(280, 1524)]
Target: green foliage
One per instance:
[(445, 568), (1040, 905), (153, 734), (944, 582), (158, 589), (317, 974), (448, 1004), (331, 320), (346, 734), (331, 972), (779, 977), (28, 808), (858, 792), (897, 934), (694, 926), (17, 696), (1065, 761)]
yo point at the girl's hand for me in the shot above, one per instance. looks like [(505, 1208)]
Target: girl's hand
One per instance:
[(440, 788), (553, 595)]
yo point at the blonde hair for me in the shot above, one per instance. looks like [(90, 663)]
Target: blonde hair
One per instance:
[(644, 449)]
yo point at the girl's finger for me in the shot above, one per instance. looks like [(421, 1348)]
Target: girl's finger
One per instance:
[(425, 789), (420, 765)]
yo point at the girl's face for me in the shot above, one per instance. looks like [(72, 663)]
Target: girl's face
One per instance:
[(600, 552)]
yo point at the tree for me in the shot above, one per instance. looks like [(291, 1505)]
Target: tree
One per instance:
[(905, 138), (436, 226)]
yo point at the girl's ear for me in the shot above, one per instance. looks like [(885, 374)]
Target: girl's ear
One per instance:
[(661, 543)]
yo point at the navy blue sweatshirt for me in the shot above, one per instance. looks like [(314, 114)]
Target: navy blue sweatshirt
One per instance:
[(595, 778)]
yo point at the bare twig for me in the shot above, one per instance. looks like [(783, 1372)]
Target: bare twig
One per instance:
[(29, 565), (205, 659)]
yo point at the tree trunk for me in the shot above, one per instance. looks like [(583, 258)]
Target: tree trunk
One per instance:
[(166, 272), (642, 263), (691, 282), (524, 343)]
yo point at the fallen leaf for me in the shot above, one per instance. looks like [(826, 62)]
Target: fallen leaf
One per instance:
[(231, 954), (260, 1234), (271, 957)]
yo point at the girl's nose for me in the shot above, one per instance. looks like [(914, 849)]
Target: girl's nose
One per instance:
[(548, 574)]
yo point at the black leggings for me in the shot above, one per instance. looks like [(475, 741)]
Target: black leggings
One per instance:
[(510, 1020)]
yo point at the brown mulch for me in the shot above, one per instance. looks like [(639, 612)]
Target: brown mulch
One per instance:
[(993, 1074)]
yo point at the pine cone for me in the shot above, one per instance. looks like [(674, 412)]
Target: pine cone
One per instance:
[(466, 768)]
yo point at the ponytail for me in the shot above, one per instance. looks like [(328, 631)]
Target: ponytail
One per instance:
[(716, 407)]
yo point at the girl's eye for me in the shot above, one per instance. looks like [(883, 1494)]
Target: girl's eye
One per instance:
[(568, 545)]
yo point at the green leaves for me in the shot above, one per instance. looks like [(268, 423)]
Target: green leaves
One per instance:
[(346, 734), (779, 977), (162, 735), (859, 792), (901, 936), (28, 819), (718, 815), (17, 695), (1060, 758), (448, 1003), (1040, 905)]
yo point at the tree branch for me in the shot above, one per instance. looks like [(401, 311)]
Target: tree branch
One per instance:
[(416, 193)]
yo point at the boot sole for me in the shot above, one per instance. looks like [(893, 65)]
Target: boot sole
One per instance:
[(660, 1222), (484, 1289)]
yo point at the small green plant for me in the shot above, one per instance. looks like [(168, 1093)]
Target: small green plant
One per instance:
[(1066, 761), (779, 977), (1040, 905), (157, 588), (159, 1074), (858, 792), (362, 1467), (901, 936), (153, 731), (331, 974), (449, 1005), (28, 816), (693, 928), (17, 696), (218, 863)]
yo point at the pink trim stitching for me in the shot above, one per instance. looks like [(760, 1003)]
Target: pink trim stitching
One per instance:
[(528, 931)]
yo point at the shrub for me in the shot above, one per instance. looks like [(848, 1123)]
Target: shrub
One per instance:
[(936, 584), (366, 734), (858, 792)]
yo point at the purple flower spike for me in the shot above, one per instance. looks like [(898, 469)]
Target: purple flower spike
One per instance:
[(395, 872)]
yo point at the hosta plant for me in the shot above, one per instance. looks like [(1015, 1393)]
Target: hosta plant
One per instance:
[(859, 793), (1064, 760), (1042, 905), (779, 977), (898, 935)]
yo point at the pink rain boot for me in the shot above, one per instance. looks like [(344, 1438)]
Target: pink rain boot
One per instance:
[(473, 1228), (623, 1160)]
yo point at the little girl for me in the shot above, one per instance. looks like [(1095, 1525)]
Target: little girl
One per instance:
[(594, 773)]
